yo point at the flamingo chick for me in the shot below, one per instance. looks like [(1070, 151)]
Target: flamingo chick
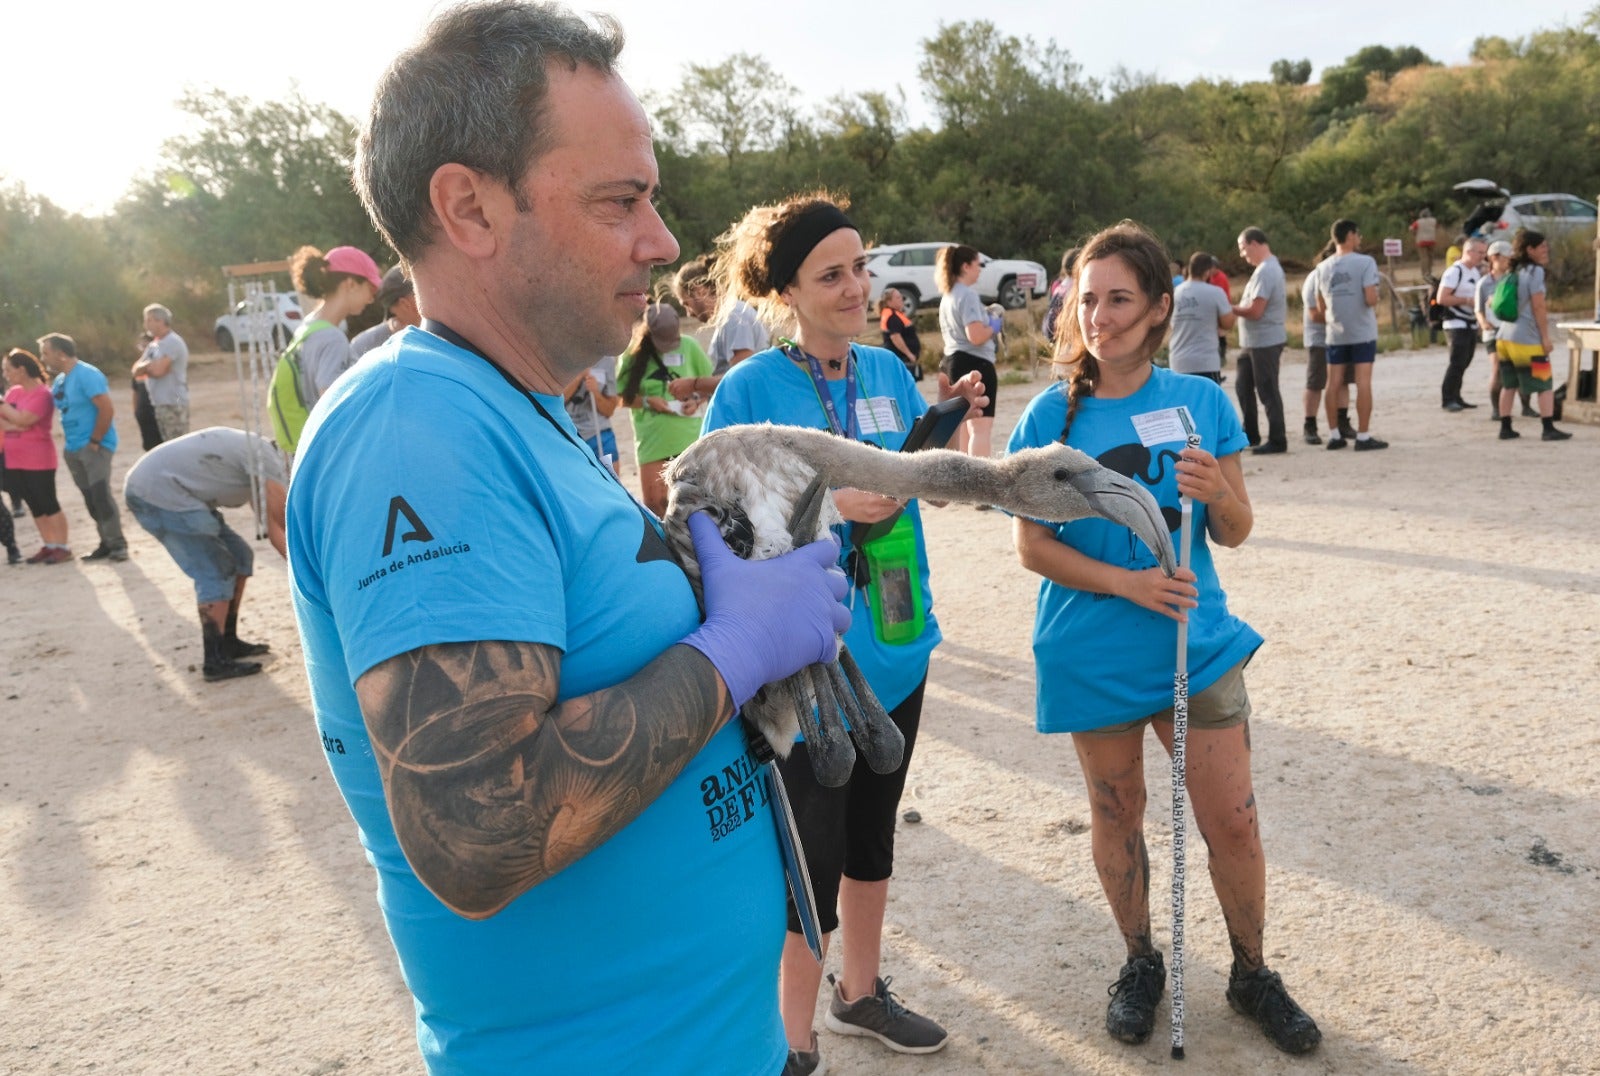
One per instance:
[(767, 486)]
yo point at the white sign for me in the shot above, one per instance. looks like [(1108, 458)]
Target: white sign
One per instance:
[(1393, 248)]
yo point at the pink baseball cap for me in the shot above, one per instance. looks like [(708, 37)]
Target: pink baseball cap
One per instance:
[(356, 262)]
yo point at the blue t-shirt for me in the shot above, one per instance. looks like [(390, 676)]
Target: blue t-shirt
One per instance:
[(771, 387), (74, 393), (1103, 660), (432, 503)]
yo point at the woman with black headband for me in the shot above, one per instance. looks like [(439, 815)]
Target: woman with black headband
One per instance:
[(802, 266)]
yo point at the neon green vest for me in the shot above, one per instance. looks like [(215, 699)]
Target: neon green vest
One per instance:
[(286, 398)]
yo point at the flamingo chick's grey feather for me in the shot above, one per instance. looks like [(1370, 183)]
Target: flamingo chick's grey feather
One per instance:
[(762, 486)]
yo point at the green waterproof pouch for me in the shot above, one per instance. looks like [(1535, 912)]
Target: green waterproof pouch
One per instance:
[(894, 586)]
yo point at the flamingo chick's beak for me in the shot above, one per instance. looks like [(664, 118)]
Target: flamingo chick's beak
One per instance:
[(1124, 501)]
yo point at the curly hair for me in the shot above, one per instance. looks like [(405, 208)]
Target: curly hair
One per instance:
[(1138, 249), (742, 265), (1523, 242), (308, 268)]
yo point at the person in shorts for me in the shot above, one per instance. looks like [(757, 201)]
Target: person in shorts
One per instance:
[(1523, 343), (1347, 298)]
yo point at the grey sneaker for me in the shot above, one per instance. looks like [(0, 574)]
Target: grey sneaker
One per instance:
[(806, 1062), (881, 1016)]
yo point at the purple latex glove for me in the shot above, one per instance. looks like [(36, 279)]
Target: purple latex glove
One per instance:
[(766, 619), (995, 322)]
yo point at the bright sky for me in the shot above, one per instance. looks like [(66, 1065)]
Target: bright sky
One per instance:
[(92, 86)]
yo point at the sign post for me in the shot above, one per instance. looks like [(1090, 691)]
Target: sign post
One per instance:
[(1392, 249)]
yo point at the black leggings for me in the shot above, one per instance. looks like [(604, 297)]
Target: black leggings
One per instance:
[(848, 831)]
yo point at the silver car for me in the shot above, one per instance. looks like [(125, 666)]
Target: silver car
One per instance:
[(1502, 213)]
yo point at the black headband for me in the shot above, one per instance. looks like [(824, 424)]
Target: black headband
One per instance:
[(810, 227)]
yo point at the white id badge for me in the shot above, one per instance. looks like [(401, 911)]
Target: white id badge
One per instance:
[(1163, 427), (672, 360), (879, 414)]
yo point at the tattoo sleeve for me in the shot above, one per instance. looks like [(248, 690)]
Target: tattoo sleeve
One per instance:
[(493, 786)]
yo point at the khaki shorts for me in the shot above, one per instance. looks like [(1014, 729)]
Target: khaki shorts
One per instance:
[(1221, 706)]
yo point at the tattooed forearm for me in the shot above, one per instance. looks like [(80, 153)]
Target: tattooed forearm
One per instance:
[(493, 787)]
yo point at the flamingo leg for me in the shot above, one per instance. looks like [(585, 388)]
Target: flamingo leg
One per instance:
[(877, 737), (832, 755)]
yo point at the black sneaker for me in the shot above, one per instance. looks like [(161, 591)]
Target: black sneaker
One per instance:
[(1346, 430), (1311, 436), (13, 555), (1370, 444), (1465, 406), (1552, 434), (1261, 996), (229, 670), (1508, 434), (1335, 441), (1528, 411), (880, 1015), (101, 552), (1131, 1015), (1269, 448), (806, 1062), (1454, 405), (238, 648)]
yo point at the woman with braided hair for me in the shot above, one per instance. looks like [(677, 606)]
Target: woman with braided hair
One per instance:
[(1106, 627)]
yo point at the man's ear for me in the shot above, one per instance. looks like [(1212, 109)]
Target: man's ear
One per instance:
[(470, 207)]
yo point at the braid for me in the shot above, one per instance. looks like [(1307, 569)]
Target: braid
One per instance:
[(1085, 376)]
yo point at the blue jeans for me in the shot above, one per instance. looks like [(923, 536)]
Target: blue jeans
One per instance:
[(205, 547)]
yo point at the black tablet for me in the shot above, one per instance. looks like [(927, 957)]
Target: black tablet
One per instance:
[(937, 425)]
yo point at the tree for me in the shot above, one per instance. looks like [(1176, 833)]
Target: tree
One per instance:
[(253, 183), (1291, 72), (61, 273), (735, 108)]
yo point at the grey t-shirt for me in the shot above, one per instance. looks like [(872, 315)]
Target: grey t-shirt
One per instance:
[(1342, 282), (1197, 306), (324, 355), (205, 469), (581, 407), (367, 339), (1316, 333), (1266, 282), (959, 308), (742, 331), (171, 387), (1481, 304), (1525, 330)]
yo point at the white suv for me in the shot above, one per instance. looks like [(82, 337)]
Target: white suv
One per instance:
[(273, 320), (908, 268)]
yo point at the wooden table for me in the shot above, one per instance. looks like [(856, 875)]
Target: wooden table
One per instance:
[(1583, 351)]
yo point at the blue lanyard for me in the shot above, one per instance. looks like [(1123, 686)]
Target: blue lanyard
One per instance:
[(850, 427)]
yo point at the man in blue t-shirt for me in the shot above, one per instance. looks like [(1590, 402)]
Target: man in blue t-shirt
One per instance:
[(84, 399), (574, 844)]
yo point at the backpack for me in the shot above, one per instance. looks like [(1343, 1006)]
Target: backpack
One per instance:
[(286, 400), (1503, 303)]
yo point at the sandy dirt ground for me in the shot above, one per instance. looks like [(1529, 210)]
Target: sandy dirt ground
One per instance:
[(181, 889)]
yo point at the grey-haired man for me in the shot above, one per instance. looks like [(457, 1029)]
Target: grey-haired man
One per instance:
[(575, 850)]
